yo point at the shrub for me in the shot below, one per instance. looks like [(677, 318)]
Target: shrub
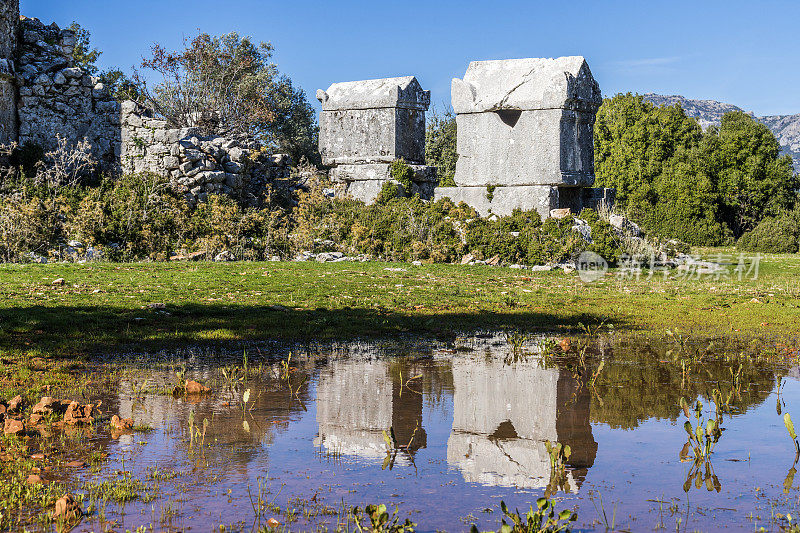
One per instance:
[(777, 235), (402, 174), (440, 145)]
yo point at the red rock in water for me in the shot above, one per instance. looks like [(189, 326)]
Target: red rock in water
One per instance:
[(193, 387), (122, 424), (67, 508), (33, 479), (565, 344)]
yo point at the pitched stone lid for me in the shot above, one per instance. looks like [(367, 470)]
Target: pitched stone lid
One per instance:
[(526, 84), (370, 94)]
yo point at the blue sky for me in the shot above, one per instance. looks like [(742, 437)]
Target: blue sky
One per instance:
[(744, 53)]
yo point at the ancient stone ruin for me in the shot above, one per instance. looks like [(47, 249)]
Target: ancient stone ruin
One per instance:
[(199, 165), (365, 125), (59, 99), (9, 18), (45, 98), (525, 136)]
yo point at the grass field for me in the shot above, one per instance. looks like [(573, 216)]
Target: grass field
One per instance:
[(102, 307)]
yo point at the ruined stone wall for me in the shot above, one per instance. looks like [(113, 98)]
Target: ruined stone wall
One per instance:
[(57, 98), (198, 165), (9, 21)]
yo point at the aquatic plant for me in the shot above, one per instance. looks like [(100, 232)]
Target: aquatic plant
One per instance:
[(787, 421), (542, 520), (559, 455), (703, 436), (601, 512), (379, 520)]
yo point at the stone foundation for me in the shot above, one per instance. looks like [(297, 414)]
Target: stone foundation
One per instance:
[(364, 182), (503, 200)]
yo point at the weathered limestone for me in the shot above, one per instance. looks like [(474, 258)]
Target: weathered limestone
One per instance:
[(365, 125), (58, 99), (196, 164), (524, 127), (9, 24), (502, 414)]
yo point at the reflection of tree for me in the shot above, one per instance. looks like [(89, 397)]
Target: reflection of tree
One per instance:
[(502, 414), (270, 408), (638, 383)]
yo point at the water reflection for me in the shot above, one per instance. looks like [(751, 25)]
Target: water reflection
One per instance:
[(357, 401), (479, 427), (502, 414)]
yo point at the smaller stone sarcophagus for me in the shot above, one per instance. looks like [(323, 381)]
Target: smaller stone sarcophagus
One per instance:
[(365, 125)]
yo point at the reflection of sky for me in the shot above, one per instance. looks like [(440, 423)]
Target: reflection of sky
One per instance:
[(630, 467)]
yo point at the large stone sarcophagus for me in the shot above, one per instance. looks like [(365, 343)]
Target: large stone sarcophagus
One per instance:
[(365, 125), (525, 134)]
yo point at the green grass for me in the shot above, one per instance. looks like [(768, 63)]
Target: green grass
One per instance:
[(104, 307)]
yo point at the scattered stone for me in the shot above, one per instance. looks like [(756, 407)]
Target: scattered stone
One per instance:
[(494, 261), (192, 256), (467, 259), (14, 404), (34, 479), (560, 213), (278, 307), (273, 523), (75, 464), (193, 387), (121, 424), (416, 263), (225, 256), (67, 508), (78, 414), (59, 281), (13, 427), (541, 268), (157, 305)]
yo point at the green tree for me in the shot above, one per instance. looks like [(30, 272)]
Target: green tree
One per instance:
[(294, 128), (119, 85), (83, 54), (228, 85), (679, 182), (440, 145), (754, 179), (633, 139)]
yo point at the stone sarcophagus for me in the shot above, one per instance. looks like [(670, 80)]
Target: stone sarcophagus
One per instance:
[(525, 134), (365, 125)]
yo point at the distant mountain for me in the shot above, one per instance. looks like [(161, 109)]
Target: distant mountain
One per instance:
[(709, 112)]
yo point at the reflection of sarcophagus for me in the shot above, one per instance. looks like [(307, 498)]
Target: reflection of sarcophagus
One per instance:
[(502, 414), (357, 401)]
